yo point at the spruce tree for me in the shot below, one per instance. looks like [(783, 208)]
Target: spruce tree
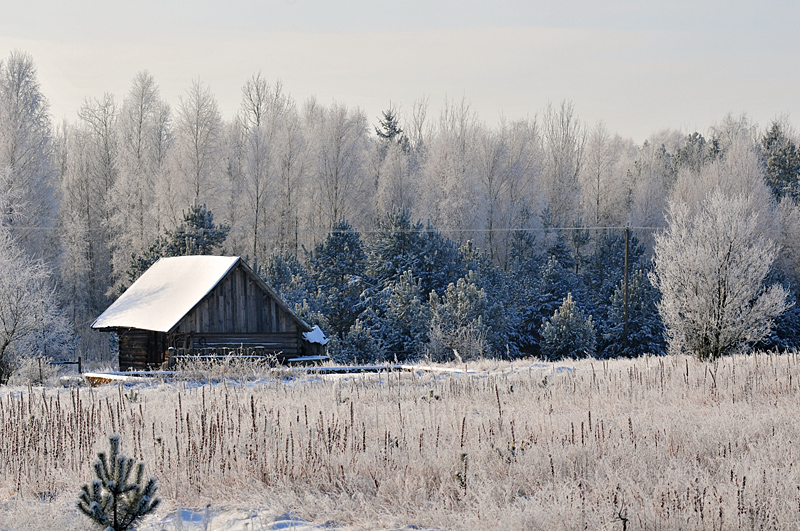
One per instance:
[(538, 300), (284, 273), (781, 158), (113, 502), (402, 245)]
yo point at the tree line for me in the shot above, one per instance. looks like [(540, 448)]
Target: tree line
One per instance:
[(364, 225)]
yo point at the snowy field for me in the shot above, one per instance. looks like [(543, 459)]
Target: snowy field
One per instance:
[(650, 443)]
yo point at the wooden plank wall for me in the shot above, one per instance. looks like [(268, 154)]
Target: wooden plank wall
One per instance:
[(238, 305), (141, 349)]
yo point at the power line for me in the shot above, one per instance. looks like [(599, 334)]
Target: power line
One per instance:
[(369, 231)]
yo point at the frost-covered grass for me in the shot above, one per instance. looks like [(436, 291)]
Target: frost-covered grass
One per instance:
[(666, 443)]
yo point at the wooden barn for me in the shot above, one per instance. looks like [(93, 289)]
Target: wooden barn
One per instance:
[(203, 304)]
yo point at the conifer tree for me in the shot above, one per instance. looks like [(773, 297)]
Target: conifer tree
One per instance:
[(459, 319), (403, 327), (358, 345), (284, 273), (113, 502), (781, 158), (568, 333), (401, 245), (645, 331), (538, 300), (337, 268), (390, 130)]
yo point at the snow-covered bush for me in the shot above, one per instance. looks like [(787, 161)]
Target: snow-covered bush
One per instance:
[(33, 371)]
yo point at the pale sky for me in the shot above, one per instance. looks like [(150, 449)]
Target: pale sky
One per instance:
[(639, 65)]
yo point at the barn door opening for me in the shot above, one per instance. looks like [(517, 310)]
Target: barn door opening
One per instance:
[(156, 349)]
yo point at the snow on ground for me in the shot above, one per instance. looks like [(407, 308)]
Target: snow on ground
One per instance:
[(25, 515), (207, 519)]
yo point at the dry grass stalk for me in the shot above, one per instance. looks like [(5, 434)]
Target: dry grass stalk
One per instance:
[(661, 442)]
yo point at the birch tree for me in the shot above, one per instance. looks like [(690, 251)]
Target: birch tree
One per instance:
[(198, 138), (564, 139), (26, 156), (449, 185), (264, 113), (143, 140), (340, 145), (711, 267)]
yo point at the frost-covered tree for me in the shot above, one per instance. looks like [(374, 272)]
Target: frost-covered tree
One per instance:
[(30, 320), (402, 321), (563, 141), (337, 267), (113, 501), (357, 346), (710, 267), (650, 181), (568, 333), (460, 321), (340, 148), (695, 153), (284, 273), (265, 114), (141, 196), (401, 245), (538, 299), (396, 187), (781, 158), (27, 170), (603, 191), (198, 143), (448, 183), (605, 268)]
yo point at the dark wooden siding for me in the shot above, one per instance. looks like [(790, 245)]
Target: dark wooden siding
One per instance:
[(238, 305), (289, 344), (141, 350)]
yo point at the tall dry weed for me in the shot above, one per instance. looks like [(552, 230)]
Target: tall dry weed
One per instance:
[(665, 443)]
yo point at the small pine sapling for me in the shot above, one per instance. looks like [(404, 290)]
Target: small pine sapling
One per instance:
[(112, 503)]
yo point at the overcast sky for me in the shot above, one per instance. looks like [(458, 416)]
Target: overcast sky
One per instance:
[(639, 65)]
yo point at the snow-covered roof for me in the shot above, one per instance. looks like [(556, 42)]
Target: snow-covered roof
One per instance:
[(166, 292)]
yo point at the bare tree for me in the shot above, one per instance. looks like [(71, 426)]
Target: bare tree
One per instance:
[(264, 112), (26, 156), (603, 192), (449, 184), (198, 142), (340, 146), (711, 267), (143, 141), (563, 144), (29, 316)]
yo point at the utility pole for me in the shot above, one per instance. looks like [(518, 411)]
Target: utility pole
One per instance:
[(625, 290)]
